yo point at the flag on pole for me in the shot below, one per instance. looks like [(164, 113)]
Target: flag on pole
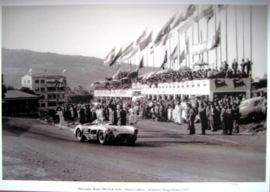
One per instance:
[(168, 36), (182, 56), (206, 13), (117, 73), (187, 46), (145, 42), (189, 12), (179, 19), (164, 61), (45, 70), (222, 7), (109, 57), (173, 55), (30, 71), (140, 65), (64, 71), (127, 50), (141, 38), (135, 50), (183, 28), (116, 57)]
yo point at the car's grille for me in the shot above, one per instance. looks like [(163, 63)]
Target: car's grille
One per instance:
[(124, 136)]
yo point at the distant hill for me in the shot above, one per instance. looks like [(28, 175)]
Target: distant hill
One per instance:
[(80, 70)]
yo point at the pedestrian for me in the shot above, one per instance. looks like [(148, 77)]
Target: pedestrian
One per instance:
[(82, 114), (235, 116), (190, 119), (228, 119), (202, 113), (222, 118)]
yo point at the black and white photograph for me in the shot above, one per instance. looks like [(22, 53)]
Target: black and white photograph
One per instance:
[(148, 96)]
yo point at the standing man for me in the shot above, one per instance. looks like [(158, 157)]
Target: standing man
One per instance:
[(243, 66), (248, 65), (203, 117), (190, 119), (234, 66)]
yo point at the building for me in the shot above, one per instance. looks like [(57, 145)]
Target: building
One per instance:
[(18, 102), (51, 89)]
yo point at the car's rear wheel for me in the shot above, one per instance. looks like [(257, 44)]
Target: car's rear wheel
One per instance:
[(102, 138), (80, 135)]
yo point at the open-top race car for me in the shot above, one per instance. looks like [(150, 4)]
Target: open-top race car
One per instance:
[(106, 133)]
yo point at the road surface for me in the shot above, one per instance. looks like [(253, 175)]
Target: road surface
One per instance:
[(163, 152)]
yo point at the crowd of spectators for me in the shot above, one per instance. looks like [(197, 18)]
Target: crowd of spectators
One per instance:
[(234, 71), (222, 113)]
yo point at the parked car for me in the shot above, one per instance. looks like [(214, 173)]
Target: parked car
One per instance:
[(106, 133), (251, 109)]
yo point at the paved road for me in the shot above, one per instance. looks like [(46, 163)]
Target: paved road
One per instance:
[(164, 152)]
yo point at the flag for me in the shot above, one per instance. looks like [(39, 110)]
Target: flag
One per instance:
[(183, 28), (168, 36), (158, 39), (179, 19), (145, 42), (64, 71), (127, 50), (210, 44), (173, 55), (116, 57), (109, 57), (140, 65), (187, 46), (189, 12), (167, 28), (164, 61), (135, 50), (45, 70), (30, 71), (141, 38), (221, 7), (182, 56), (206, 13), (117, 73)]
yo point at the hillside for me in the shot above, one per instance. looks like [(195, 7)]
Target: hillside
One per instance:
[(80, 70)]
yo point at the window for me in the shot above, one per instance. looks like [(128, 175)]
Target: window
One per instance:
[(42, 96), (24, 81), (50, 104), (42, 89), (36, 81), (28, 81), (42, 81), (42, 104), (37, 89), (51, 88)]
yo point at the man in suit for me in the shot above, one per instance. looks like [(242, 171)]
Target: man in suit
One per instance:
[(190, 119), (234, 66)]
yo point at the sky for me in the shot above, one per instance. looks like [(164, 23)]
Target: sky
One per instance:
[(94, 30)]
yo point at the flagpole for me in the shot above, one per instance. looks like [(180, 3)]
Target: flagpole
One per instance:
[(251, 33), (186, 47), (236, 38), (169, 63), (178, 48), (198, 29), (220, 43), (243, 34), (192, 34), (226, 17), (215, 30)]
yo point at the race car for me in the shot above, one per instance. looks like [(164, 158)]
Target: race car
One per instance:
[(106, 133)]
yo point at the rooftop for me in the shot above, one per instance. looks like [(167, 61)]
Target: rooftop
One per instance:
[(19, 95)]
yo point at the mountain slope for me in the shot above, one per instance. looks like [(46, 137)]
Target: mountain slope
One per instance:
[(80, 70)]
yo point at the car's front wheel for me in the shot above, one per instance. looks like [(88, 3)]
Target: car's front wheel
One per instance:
[(131, 141), (80, 135), (102, 138)]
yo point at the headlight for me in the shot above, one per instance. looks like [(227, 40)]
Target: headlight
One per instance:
[(136, 131), (109, 131)]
